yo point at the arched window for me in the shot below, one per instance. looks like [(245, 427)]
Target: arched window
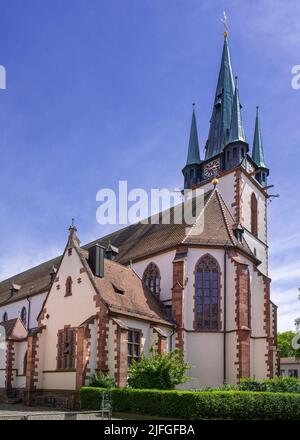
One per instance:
[(254, 214), (23, 316), (69, 283), (151, 278), (207, 298), (5, 317)]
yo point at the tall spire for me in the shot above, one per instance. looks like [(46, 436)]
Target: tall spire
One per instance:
[(193, 156), (221, 115), (236, 127), (258, 150)]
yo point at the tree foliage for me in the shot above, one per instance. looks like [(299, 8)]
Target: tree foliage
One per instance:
[(102, 380), (158, 371), (284, 341)]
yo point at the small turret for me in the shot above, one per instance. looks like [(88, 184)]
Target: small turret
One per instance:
[(258, 153), (192, 171), (236, 147)]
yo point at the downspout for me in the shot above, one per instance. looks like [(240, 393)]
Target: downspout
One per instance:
[(225, 314), (29, 308), (171, 339)]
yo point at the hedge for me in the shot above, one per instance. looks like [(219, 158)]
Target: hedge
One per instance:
[(197, 405)]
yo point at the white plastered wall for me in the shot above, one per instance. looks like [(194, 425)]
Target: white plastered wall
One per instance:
[(164, 263), (13, 309), (64, 310), (3, 346), (20, 349), (203, 350), (92, 361)]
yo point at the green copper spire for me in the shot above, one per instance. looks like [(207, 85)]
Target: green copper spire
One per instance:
[(258, 150), (236, 127), (221, 115), (193, 156)]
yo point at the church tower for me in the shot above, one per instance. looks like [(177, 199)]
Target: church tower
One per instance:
[(242, 174), (226, 147)]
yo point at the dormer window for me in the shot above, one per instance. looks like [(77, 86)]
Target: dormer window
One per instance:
[(4, 317), (238, 232), (14, 289), (118, 290)]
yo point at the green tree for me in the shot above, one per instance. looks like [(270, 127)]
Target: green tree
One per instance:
[(102, 380), (284, 340), (158, 371)]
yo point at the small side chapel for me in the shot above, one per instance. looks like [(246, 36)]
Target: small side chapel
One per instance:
[(100, 306)]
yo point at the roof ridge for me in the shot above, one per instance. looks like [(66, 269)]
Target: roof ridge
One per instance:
[(29, 269), (221, 202), (202, 212)]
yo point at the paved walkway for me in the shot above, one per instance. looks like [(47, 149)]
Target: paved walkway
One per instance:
[(17, 411)]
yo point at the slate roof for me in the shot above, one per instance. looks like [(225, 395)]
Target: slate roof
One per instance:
[(8, 326), (221, 115), (135, 300), (193, 156), (139, 241), (258, 149)]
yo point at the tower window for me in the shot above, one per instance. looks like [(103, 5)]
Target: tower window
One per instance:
[(254, 215), (234, 153), (151, 278), (243, 153), (207, 294), (228, 155)]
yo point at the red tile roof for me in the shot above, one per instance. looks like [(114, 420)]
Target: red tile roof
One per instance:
[(139, 241)]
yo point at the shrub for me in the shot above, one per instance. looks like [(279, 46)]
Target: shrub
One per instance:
[(102, 380), (275, 385), (199, 404), (158, 371)]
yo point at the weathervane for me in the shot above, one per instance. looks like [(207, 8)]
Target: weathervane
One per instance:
[(225, 22)]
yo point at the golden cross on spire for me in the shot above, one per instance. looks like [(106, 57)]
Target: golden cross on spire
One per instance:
[(225, 23)]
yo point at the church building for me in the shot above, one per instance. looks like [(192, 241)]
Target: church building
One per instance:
[(101, 306)]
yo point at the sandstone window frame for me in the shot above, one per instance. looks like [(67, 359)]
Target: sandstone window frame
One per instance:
[(207, 299), (69, 283), (66, 349), (152, 278), (133, 344)]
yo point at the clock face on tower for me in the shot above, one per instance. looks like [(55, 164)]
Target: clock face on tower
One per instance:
[(211, 169)]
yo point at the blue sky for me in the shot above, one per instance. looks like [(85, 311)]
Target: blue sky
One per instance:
[(99, 91)]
